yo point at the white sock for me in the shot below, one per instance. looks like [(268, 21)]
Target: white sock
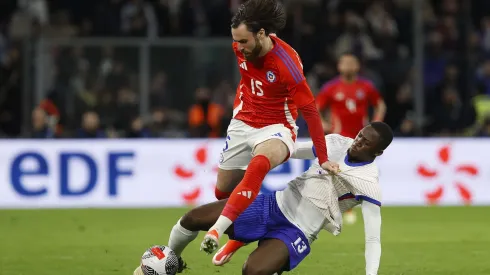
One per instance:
[(180, 238), (221, 225)]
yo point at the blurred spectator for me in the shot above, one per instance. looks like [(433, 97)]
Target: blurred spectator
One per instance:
[(31, 17), (90, 126), (407, 129), (485, 34), (435, 60), (166, 24), (205, 116), (380, 21), (127, 107), (450, 34), (481, 103), (159, 123), (160, 95), (61, 26), (106, 65), (138, 19), (404, 102), (452, 116), (41, 127), (37, 9), (484, 129), (116, 77), (52, 113), (138, 129), (483, 78), (356, 40)]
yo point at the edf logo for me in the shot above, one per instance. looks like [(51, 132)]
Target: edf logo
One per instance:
[(40, 167)]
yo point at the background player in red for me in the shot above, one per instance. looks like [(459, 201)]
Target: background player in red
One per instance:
[(263, 130), (349, 97)]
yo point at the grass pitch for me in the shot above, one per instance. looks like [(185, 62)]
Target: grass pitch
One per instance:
[(418, 241)]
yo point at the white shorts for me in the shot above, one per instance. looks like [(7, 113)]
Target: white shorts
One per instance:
[(241, 140)]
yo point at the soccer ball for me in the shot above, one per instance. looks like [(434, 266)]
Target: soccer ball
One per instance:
[(159, 260)]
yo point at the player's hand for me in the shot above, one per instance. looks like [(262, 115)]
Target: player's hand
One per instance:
[(331, 167)]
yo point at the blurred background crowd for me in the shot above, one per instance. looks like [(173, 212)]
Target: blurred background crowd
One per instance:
[(164, 68)]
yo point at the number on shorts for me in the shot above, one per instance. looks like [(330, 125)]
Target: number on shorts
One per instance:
[(300, 245), (226, 143)]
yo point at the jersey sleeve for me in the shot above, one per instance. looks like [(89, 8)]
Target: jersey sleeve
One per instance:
[(372, 227), (324, 97), (304, 150), (373, 94), (290, 69)]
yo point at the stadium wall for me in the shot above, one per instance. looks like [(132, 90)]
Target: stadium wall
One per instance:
[(173, 173)]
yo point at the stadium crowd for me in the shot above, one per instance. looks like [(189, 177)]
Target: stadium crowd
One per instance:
[(95, 94)]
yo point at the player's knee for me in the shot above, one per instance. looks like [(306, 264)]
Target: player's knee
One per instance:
[(251, 267), (190, 221)]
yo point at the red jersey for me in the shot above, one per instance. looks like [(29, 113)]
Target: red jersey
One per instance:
[(349, 103), (264, 95), (272, 89)]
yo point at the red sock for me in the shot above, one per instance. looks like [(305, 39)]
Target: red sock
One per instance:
[(220, 195), (245, 193)]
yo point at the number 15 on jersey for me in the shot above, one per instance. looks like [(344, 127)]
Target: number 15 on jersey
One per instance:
[(256, 87)]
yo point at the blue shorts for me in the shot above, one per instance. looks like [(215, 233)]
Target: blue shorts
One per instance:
[(264, 220)]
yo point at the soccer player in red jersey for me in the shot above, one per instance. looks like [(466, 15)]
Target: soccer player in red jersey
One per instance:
[(263, 130), (349, 98)]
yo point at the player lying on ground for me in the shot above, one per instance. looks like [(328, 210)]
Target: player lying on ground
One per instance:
[(286, 222), (263, 130)]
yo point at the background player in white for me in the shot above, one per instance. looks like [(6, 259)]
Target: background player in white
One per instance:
[(286, 222)]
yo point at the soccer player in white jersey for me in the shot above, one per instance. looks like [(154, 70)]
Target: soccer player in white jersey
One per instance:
[(286, 222)]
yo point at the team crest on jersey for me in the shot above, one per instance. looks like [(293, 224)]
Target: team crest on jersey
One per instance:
[(271, 77), (360, 94), (339, 96)]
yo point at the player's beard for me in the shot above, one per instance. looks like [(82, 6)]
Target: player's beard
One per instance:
[(254, 54)]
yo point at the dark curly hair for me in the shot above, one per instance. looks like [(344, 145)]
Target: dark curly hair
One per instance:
[(260, 14)]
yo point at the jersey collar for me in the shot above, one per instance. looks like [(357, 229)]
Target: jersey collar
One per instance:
[(355, 164)]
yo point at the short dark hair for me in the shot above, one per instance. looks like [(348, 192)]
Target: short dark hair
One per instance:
[(350, 54), (385, 134), (260, 14)]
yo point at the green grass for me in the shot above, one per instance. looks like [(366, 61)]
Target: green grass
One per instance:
[(419, 241)]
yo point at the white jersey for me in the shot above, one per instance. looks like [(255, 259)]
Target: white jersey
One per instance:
[(306, 202)]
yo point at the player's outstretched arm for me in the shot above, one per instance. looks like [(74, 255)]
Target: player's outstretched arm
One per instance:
[(372, 226), (306, 103), (304, 150)]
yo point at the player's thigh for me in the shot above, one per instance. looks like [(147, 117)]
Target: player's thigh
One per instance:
[(229, 179), (236, 153), (274, 149), (203, 217), (276, 142), (270, 257)]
